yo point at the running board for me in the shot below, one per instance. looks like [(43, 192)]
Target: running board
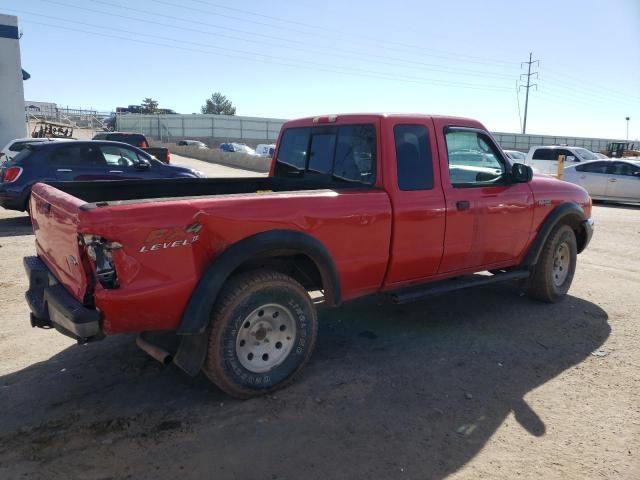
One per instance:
[(411, 294)]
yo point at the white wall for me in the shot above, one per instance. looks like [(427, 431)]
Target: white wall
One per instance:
[(171, 127), (12, 123)]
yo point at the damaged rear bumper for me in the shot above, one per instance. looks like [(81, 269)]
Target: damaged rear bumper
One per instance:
[(53, 307)]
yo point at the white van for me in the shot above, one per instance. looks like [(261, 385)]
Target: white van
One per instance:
[(544, 159), (266, 150)]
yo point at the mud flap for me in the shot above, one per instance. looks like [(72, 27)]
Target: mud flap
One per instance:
[(192, 352)]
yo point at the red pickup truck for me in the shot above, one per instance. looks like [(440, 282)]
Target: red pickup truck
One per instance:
[(405, 205)]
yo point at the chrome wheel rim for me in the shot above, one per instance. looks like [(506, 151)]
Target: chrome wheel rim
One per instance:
[(561, 261), (265, 338)]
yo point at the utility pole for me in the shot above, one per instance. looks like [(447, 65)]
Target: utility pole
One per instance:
[(528, 86), (627, 119)]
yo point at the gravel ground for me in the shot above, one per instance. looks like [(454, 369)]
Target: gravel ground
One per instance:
[(469, 385)]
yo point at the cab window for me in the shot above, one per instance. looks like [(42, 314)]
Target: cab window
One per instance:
[(345, 153), (474, 160), (413, 157)]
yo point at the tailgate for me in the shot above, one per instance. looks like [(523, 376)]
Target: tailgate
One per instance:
[(55, 217)]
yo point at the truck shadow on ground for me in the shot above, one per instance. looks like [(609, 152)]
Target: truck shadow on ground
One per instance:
[(15, 226), (413, 391)]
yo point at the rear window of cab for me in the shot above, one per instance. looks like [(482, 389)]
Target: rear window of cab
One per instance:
[(345, 152)]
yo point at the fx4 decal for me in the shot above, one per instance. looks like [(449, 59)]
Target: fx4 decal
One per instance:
[(171, 238)]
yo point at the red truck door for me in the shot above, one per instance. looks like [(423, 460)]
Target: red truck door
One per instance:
[(412, 179), (488, 217)]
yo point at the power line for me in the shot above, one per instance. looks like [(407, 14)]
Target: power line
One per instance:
[(384, 59), (621, 97), (274, 57), (377, 75), (332, 30), (583, 83), (528, 87), (518, 102), (385, 45)]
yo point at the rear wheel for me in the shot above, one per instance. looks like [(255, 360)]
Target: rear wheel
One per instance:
[(263, 331), (553, 274)]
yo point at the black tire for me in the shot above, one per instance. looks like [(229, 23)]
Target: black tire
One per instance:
[(273, 306), (552, 275)]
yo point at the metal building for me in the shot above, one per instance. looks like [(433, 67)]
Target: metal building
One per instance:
[(12, 123)]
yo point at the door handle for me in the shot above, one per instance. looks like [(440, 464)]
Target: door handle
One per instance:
[(115, 171), (582, 177), (612, 180), (463, 204), (64, 170)]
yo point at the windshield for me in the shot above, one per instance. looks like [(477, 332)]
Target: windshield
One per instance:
[(585, 154)]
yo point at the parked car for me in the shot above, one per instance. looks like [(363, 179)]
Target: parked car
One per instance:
[(516, 155), (237, 148), (616, 180), (265, 150), (354, 205), (15, 146), (137, 140), (544, 159), (193, 143), (75, 161)]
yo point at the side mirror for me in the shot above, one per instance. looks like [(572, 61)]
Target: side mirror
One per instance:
[(521, 173), (571, 158), (143, 166)]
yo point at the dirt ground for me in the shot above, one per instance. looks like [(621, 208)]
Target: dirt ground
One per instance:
[(480, 384)]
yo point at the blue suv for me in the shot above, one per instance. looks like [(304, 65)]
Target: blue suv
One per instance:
[(78, 160)]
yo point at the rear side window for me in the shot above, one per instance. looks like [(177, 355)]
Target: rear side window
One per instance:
[(78, 156), (345, 152), (413, 157), (621, 168), (293, 147), (321, 154), (544, 154), (20, 157), (551, 154), (18, 146)]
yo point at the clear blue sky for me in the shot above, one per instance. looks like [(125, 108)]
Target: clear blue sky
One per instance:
[(289, 59)]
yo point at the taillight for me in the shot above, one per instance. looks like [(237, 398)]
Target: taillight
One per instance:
[(11, 174), (142, 144), (168, 156), (99, 252)]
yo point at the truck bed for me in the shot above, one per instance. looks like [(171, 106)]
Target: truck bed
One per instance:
[(119, 191), (197, 220)]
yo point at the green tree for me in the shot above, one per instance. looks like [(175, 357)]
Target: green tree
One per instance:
[(218, 104), (149, 105)]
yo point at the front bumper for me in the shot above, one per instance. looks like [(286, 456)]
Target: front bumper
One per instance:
[(53, 307), (588, 226)]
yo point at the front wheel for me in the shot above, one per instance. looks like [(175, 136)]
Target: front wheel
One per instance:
[(553, 274), (263, 331)]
